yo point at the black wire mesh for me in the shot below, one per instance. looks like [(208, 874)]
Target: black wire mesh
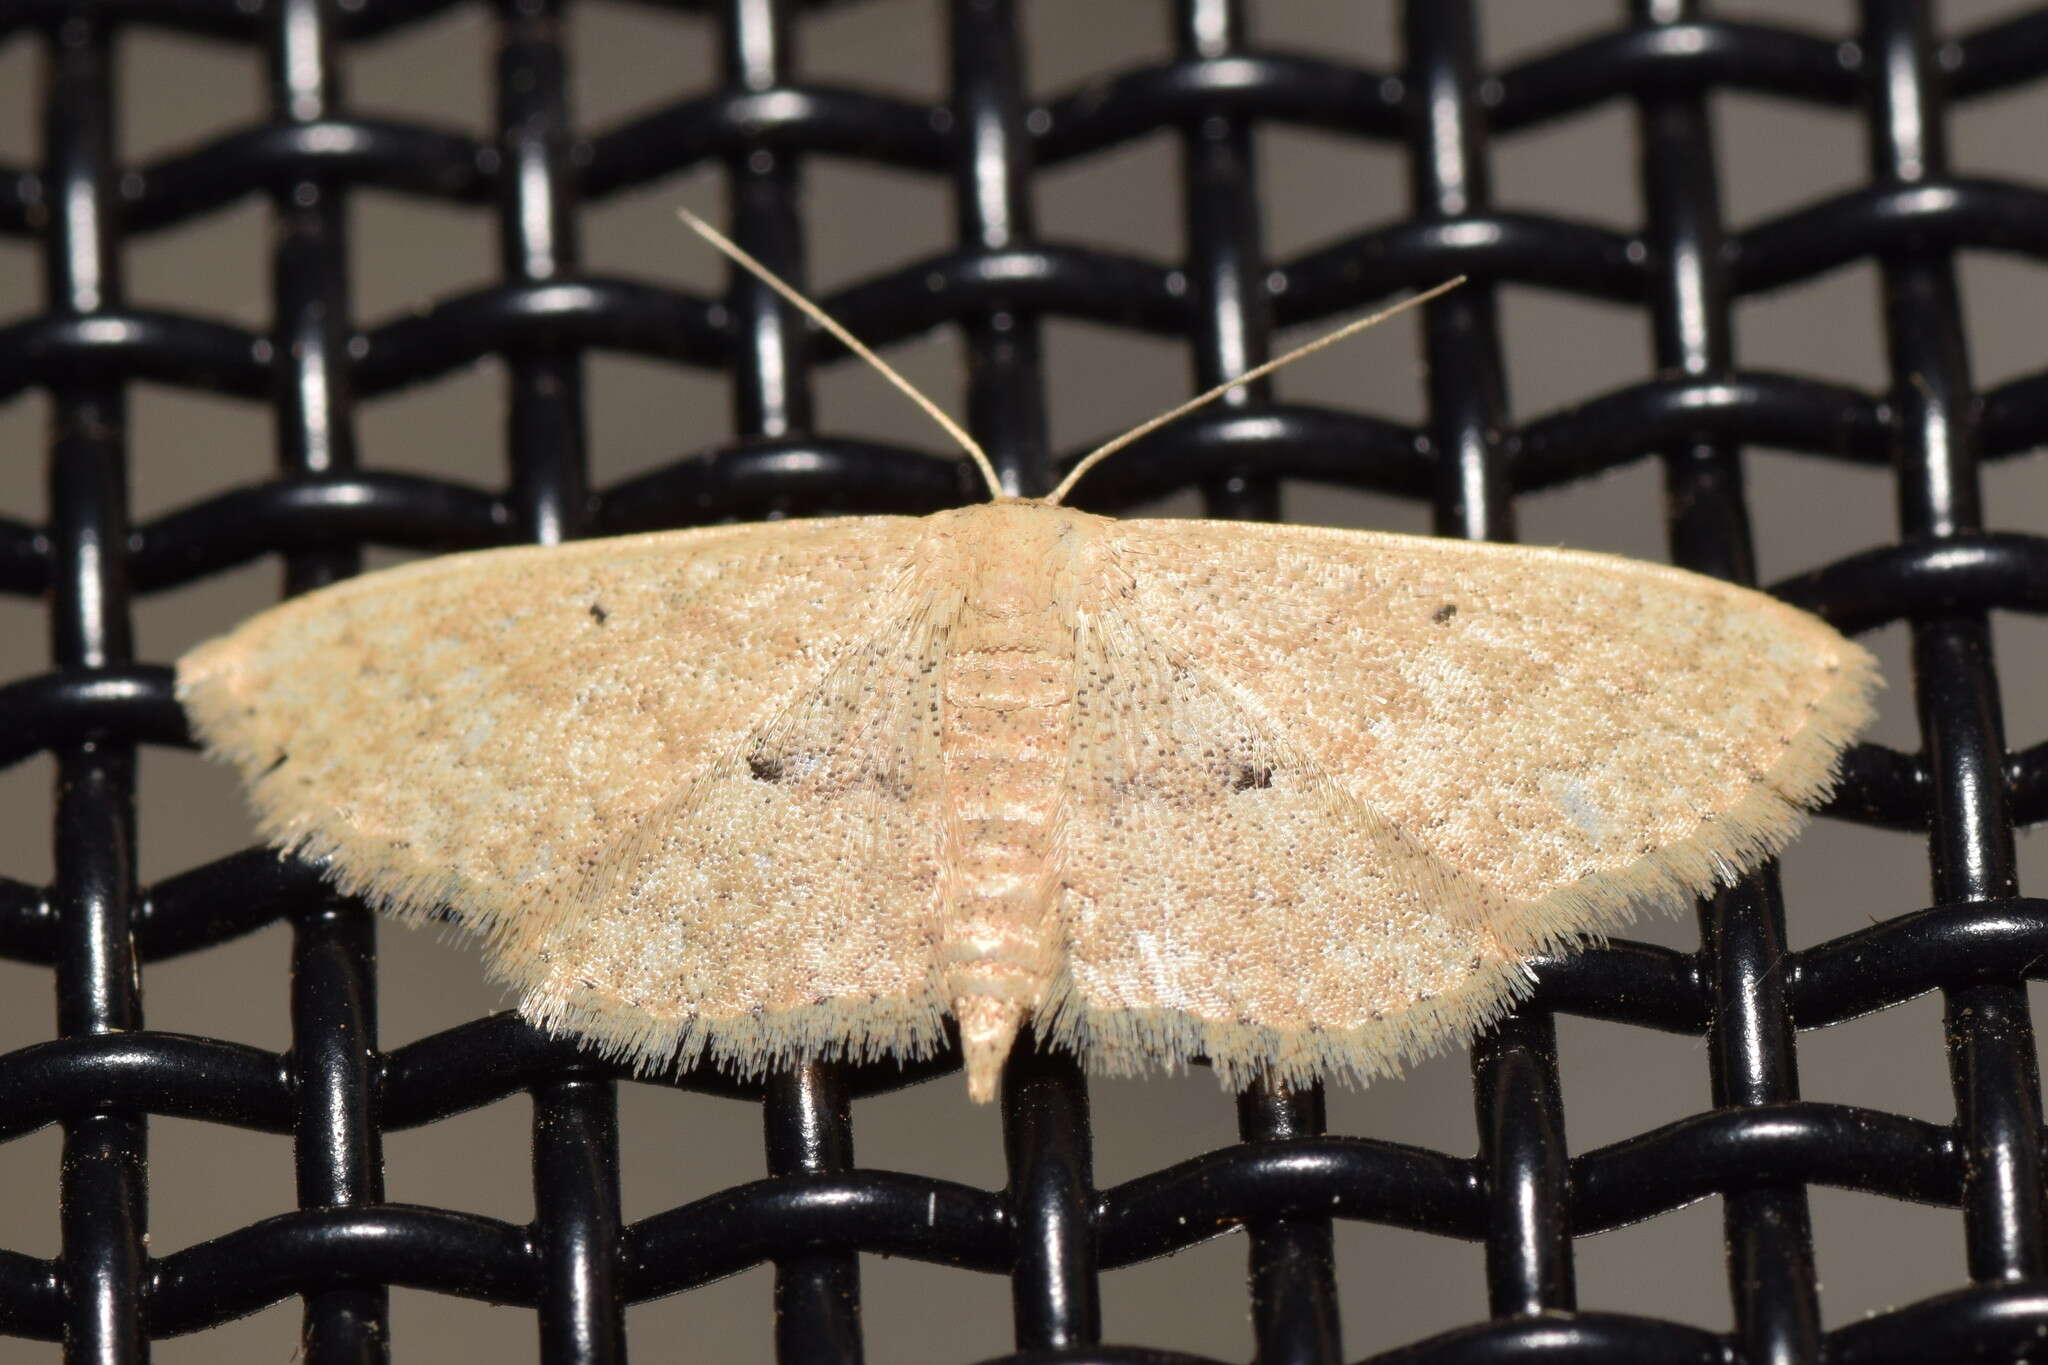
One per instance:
[(1051, 1231)]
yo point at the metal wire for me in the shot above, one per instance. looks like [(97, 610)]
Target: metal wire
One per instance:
[(1050, 1230)]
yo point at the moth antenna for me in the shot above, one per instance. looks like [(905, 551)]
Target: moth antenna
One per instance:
[(1111, 447), (742, 258)]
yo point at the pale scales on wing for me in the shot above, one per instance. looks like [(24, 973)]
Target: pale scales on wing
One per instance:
[(1287, 798)]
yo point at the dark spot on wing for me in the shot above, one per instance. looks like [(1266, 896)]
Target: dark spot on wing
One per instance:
[(892, 784), (1444, 613), (598, 613), (764, 769), (275, 764), (1247, 777)]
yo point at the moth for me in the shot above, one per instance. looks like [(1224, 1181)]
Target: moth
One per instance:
[(1294, 800)]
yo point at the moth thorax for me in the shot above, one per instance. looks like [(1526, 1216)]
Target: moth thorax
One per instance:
[(1011, 560)]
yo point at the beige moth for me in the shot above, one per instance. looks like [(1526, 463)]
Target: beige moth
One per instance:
[(1295, 800)]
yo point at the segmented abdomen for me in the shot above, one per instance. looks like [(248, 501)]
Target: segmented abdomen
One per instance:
[(1008, 717)]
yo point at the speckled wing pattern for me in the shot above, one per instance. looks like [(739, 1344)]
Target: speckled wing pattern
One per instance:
[(1325, 791), (515, 735), (1227, 896), (1427, 760), (785, 902)]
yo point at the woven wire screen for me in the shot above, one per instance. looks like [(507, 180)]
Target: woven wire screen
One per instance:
[(1050, 1231)]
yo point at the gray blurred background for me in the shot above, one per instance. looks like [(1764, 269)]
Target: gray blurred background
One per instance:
[(1395, 1286)]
